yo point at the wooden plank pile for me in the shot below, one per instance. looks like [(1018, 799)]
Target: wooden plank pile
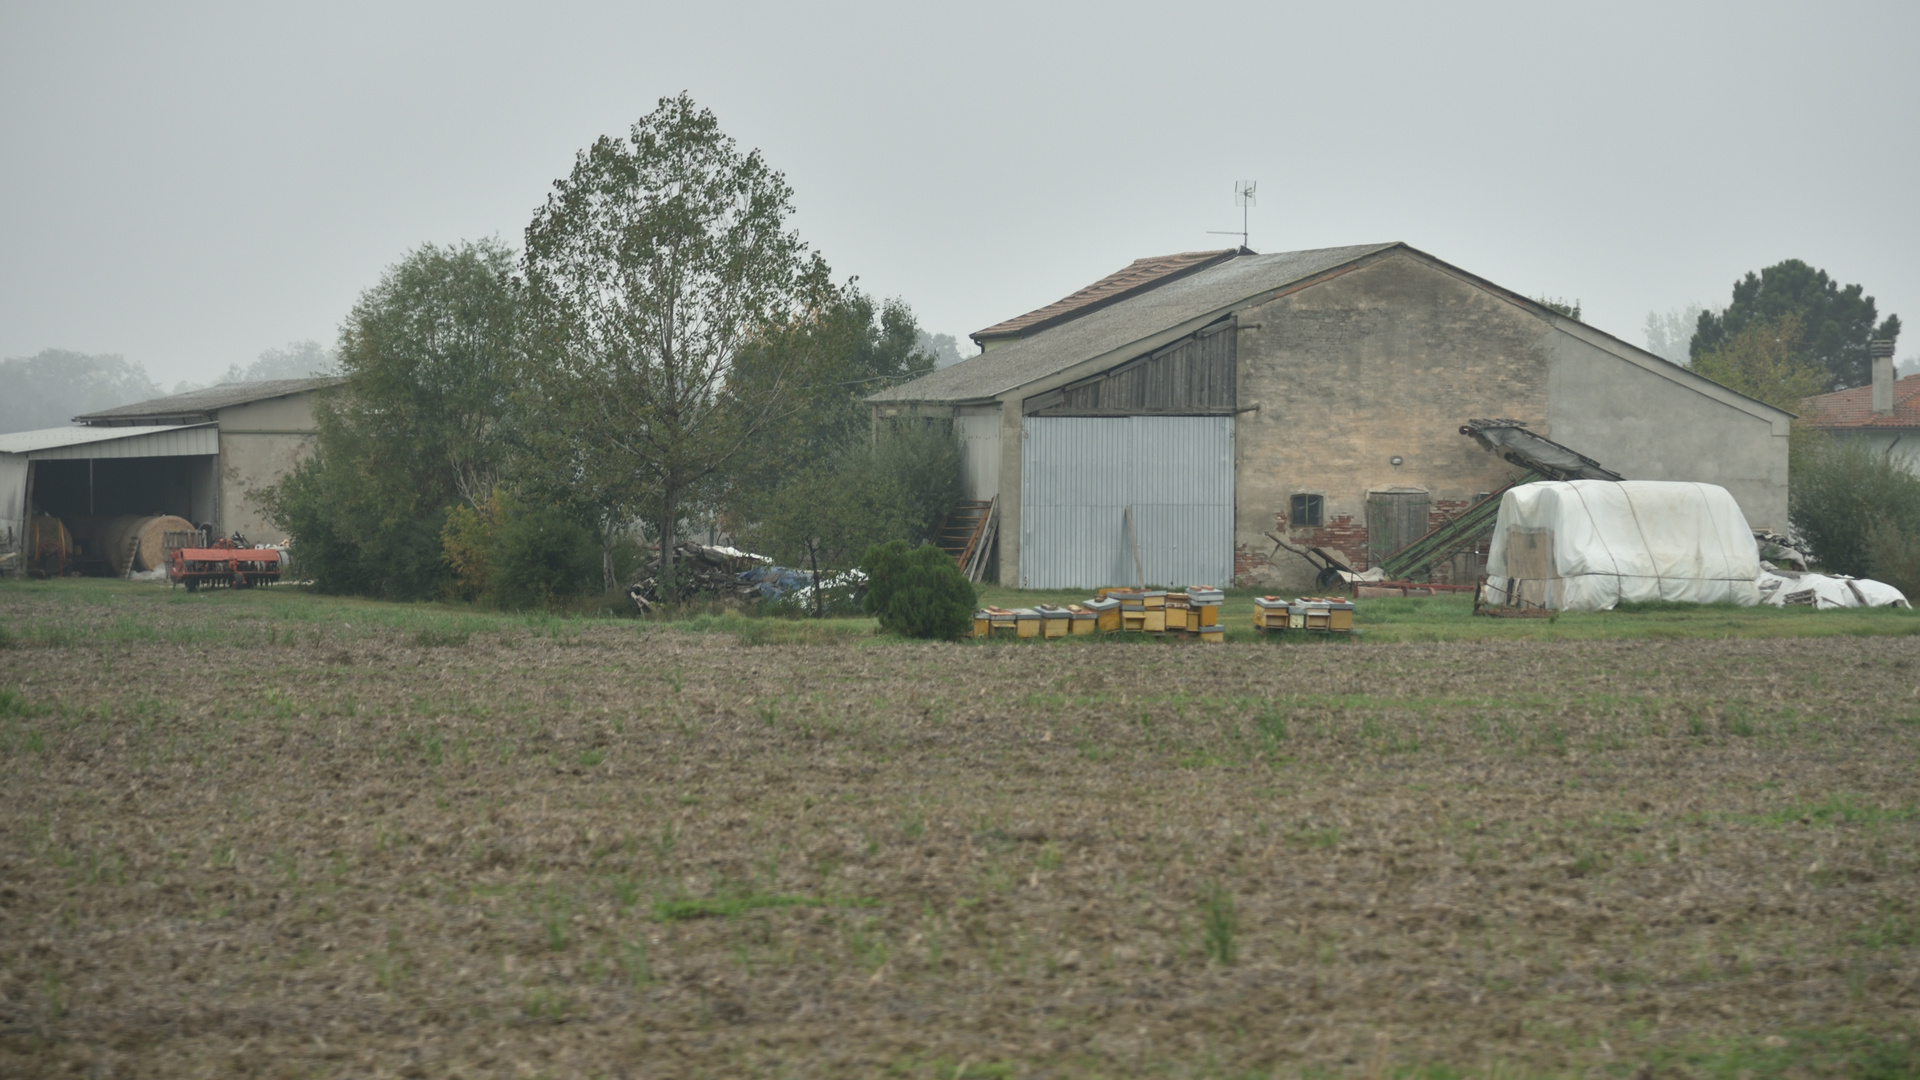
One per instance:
[(1194, 613)]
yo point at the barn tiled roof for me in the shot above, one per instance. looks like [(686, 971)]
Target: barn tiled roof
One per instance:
[(1211, 290), (202, 402), (1854, 408), (1136, 277)]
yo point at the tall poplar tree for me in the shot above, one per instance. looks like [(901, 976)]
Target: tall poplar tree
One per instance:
[(653, 265)]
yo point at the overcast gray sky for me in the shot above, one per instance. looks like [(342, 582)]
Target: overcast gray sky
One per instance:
[(189, 184)]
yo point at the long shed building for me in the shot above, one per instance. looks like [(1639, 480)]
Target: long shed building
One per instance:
[(198, 455), (1192, 408)]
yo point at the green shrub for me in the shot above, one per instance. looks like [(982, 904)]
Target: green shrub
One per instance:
[(1893, 554), (541, 556), (1842, 493), (918, 592), (348, 538)]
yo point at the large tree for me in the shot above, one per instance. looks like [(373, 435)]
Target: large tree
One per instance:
[(830, 361), (418, 427), (1764, 361), (652, 266), (1837, 322)]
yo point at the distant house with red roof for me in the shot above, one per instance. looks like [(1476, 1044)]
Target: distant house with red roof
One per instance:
[(1885, 414)]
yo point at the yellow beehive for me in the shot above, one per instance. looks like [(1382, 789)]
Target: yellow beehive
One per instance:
[(1177, 612), (1154, 621), (1106, 614), (1026, 622), (1269, 613), (982, 625), (1053, 620), (1082, 619), (1213, 635)]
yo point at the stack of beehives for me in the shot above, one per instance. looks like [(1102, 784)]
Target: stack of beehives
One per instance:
[(1312, 614), (1152, 611)]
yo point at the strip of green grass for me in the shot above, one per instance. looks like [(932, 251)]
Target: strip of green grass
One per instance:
[(107, 612)]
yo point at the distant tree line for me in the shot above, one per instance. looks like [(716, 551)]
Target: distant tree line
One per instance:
[(664, 357), (51, 387)]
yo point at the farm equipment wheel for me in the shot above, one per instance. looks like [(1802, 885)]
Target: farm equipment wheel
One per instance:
[(1326, 578), (193, 584)]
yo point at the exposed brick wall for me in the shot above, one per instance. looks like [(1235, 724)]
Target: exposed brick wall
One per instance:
[(1341, 533), (1464, 567), (1248, 563), (1251, 566)]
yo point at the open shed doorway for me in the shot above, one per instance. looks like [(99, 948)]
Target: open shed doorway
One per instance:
[(90, 494)]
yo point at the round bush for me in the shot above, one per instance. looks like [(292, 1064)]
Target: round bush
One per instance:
[(918, 592)]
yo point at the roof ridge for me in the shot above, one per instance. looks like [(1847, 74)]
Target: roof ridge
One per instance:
[(208, 398), (1130, 280), (1131, 319)]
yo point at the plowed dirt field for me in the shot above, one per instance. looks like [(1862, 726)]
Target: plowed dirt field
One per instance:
[(329, 849)]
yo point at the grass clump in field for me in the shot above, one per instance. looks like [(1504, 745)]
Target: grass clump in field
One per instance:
[(1219, 926), (727, 907)]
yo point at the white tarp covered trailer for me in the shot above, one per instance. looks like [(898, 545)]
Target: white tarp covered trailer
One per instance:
[(1586, 545)]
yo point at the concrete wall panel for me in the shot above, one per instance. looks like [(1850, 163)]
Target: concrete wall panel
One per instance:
[(13, 501), (1904, 446), (1646, 424), (978, 429)]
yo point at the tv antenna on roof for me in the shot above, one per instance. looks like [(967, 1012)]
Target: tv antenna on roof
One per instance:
[(1243, 198)]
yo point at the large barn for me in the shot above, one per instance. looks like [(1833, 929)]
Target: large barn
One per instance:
[(1194, 408), (198, 456)]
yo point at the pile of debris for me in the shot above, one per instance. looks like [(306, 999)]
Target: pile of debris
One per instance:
[(701, 570), (729, 574)]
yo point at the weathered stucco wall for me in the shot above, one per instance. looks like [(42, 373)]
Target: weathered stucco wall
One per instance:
[(1649, 420), (1904, 446), (978, 429), (1386, 360), (260, 442)]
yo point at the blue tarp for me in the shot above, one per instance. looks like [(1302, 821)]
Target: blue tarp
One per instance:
[(775, 582)]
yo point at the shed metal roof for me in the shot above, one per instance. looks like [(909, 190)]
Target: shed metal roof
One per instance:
[(1136, 277), (1122, 323), (1213, 289), (147, 440), (196, 403)]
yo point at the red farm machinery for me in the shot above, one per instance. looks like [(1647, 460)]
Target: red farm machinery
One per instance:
[(222, 563)]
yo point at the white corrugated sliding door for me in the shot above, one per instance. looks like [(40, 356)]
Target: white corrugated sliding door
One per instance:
[(1078, 476)]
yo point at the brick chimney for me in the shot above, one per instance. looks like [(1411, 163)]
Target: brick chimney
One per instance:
[(1882, 352)]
